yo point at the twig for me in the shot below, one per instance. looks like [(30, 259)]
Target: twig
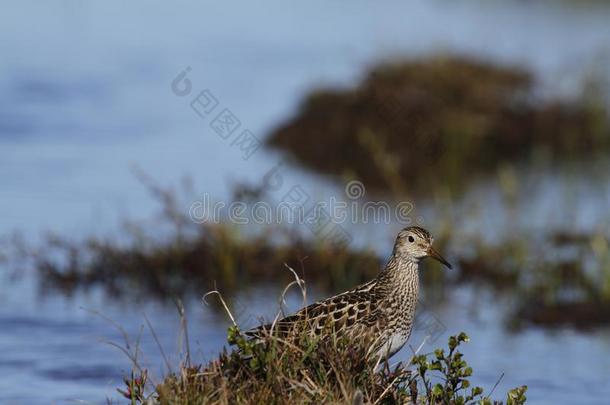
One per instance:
[(184, 329), (133, 359), (113, 323), (385, 391), (222, 301), (154, 334), (298, 281), (282, 300), (497, 382), (301, 284)]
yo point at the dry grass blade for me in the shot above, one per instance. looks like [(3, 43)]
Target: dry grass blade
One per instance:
[(385, 391), (156, 338), (184, 336), (297, 281), (222, 301)]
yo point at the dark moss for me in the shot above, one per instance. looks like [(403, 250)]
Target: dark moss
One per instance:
[(579, 314), (421, 125)]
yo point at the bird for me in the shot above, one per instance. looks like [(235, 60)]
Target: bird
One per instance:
[(380, 313)]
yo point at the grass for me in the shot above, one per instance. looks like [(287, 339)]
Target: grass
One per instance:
[(314, 373), (215, 255), (560, 279), (188, 259), (305, 369), (435, 124)]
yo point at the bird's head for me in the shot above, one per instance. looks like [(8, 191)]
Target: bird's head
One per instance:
[(416, 243)]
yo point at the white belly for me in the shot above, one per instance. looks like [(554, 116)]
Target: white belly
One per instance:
[(393, 345)]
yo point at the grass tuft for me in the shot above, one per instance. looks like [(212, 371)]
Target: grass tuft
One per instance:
[(298, 367), (318, 371)]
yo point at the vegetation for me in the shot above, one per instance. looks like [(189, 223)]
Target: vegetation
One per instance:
[(422, 125), (293, 366), (561, 279), (216, 255), (316, 371), (190, 258)]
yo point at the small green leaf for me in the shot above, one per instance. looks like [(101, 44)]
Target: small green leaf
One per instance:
[(462, 337), (516, 396), (232, 334), (452, 342), (485, 401)]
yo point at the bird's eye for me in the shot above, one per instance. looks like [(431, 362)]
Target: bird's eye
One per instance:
[(411, 239)]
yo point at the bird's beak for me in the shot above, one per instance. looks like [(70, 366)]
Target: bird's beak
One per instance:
[(435, 255)]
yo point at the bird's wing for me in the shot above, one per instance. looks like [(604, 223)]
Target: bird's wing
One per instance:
[(357, 306)]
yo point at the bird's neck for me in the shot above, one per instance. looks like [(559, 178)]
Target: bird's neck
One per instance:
[(400, 271)]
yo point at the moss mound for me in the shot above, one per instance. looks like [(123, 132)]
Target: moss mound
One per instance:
[(424, 124)]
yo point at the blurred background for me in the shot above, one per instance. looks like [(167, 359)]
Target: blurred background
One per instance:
[(486, 123)]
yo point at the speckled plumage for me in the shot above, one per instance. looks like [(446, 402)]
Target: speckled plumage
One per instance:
[(381, 311)]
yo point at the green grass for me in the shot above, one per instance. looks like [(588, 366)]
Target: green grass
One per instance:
[(312, 371)]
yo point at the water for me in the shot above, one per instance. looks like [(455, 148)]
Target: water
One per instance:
[(85, 92), (85, 95)]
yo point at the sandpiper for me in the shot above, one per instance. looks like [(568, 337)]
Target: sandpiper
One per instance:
[(381, 311)]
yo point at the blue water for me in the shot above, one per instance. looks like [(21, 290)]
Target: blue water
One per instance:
[(86, 96)]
